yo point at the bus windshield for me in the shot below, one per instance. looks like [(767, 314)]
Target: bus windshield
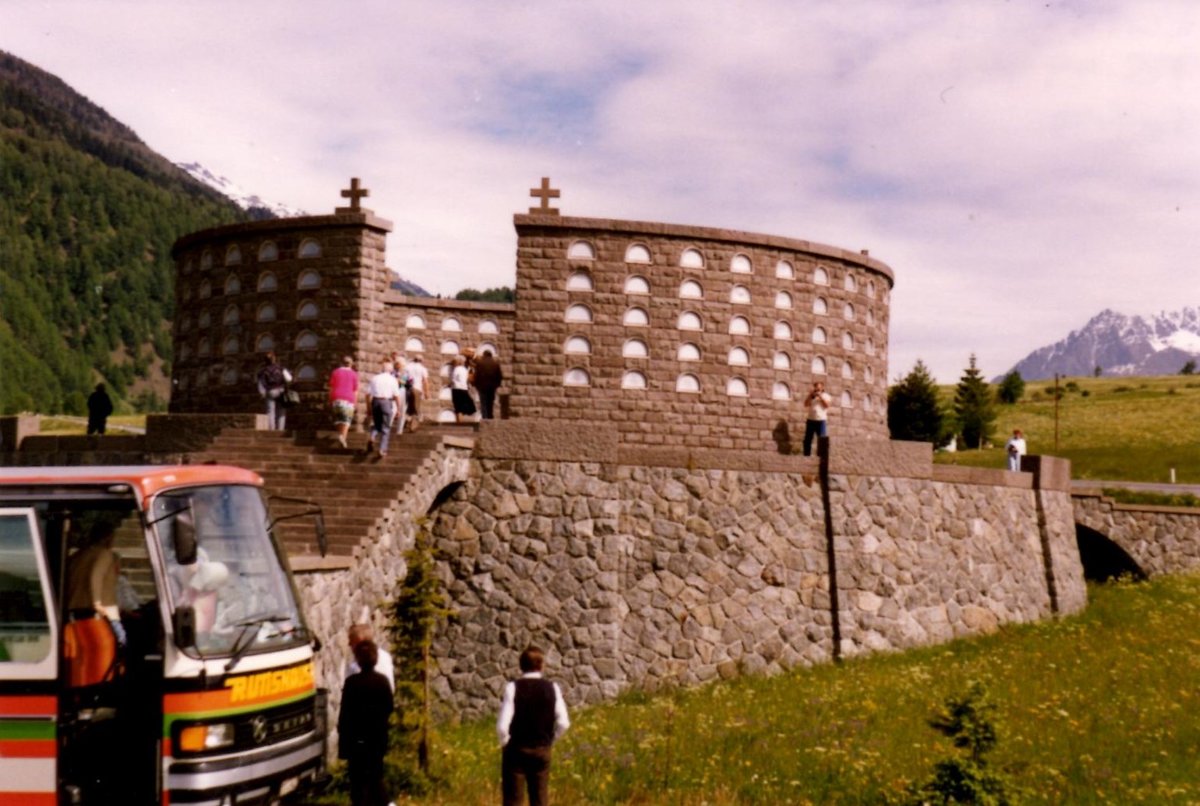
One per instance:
[(235, 584)]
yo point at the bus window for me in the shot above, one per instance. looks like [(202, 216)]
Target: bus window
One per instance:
[(237, 588), (26, 637)]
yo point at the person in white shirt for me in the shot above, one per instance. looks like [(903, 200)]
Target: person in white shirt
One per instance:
[(364, 632), (383, 395), (818, 403), (1016, 449), (460, 390), (420, 391), (533, 715)]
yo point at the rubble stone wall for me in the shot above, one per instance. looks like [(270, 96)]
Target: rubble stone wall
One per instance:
[(1161, 540), (689, 568)]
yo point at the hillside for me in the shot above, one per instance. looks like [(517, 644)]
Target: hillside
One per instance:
[(1132, 429), (88, 213)]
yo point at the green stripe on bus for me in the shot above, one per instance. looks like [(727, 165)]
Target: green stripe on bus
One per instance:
[(212, 716), (26, 729)]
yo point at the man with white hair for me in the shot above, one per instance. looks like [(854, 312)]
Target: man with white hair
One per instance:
[(383, 395)]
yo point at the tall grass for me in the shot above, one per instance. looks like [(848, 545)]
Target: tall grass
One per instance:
[(1103, 707), (1132, 429)]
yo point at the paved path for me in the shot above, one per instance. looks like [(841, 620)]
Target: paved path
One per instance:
[(1155, 487)]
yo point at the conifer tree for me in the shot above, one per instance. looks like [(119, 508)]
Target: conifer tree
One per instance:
[(1011, 388), (913, 409), (974, 407)]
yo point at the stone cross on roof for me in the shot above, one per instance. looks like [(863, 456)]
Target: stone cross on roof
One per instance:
[(545, 193), (354, 193)]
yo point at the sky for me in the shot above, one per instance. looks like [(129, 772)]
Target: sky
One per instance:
[(1021, 166)]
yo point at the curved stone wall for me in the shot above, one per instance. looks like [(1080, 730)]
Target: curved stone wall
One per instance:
[(685, 334), (310, 288)]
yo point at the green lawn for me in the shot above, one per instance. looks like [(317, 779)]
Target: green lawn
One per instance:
[(1098, 708), (1132, 429)]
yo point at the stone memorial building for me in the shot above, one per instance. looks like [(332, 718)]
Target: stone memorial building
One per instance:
[(666, 332)]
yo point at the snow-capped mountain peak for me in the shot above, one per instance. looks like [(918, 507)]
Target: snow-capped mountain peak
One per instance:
[(1158, 344), (240, 197)]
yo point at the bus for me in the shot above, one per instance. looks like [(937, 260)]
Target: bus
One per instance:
[(152, 645)]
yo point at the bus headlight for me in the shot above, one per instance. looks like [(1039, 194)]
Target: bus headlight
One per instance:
[(206, 737)]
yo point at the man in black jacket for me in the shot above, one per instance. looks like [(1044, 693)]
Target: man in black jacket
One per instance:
[(532, 715), (488, 378), (363, 727)]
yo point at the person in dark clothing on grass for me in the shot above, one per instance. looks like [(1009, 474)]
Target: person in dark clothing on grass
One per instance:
[(363, 727), (532, 715), (100, 406)]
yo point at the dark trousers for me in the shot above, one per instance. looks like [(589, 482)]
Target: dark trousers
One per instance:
[(366, 781), (525, 768), (487, 402), (812, 428)]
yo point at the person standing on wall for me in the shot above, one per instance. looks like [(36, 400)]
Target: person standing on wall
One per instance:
[(363, 727), (1015, 449), (816, 422), (383, 395), (272, 383), (99, 406), (460, 390), (488, 378), (533, 715), (420, 391), (343, 391)]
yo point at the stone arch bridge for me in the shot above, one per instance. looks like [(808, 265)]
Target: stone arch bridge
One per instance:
[(1140, 539)]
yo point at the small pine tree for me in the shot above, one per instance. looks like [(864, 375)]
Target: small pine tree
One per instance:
[(419, 607), (1097, 371), (974, 407), (1012, 388), (966, 777), (1189, 368), (913, 409)]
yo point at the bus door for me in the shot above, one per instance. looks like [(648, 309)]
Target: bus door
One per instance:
[(29, 664)]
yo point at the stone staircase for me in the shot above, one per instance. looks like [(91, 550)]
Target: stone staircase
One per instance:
[(354, 489)]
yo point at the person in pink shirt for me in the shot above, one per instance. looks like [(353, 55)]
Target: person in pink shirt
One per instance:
[(343, 391)]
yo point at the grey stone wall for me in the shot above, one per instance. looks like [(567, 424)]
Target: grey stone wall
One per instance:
[(1161, 540), (334, 597), (687, 569)]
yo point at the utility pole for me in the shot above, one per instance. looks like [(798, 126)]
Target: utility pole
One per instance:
[(1056, 396)]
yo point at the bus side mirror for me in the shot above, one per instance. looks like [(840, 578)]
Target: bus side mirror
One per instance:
[(183, 625), (185, 538)]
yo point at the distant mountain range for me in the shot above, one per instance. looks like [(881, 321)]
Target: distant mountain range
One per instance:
[(1120, 345), (252, 203)]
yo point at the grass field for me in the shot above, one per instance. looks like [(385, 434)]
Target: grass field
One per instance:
[(1097, 708), (1132, 429)]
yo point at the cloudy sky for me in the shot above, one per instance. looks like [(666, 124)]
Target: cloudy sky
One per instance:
[(1020, 165)]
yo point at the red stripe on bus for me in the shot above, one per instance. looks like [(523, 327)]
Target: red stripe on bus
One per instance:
[(29, 799), (27, 748), (27, 705)]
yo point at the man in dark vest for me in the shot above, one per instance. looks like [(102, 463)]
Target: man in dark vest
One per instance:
[(532, 715)]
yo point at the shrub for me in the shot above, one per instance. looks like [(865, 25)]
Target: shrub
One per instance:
[(966, 777)]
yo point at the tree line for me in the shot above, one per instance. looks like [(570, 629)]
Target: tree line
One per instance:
[(915, 410)]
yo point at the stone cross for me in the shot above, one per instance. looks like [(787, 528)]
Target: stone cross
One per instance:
[(545, 193), (355, 193)]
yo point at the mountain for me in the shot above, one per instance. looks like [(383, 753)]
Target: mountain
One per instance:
[(88, 213), (252, 203), (1120, 345)]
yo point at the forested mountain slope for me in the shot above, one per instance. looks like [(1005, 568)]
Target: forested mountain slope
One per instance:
[(88, 214)]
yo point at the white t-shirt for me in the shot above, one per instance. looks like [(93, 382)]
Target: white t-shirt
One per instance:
[(383, 665), (419, 374), (458, 377), (384, 385), (818, 407), (1016, 445)]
